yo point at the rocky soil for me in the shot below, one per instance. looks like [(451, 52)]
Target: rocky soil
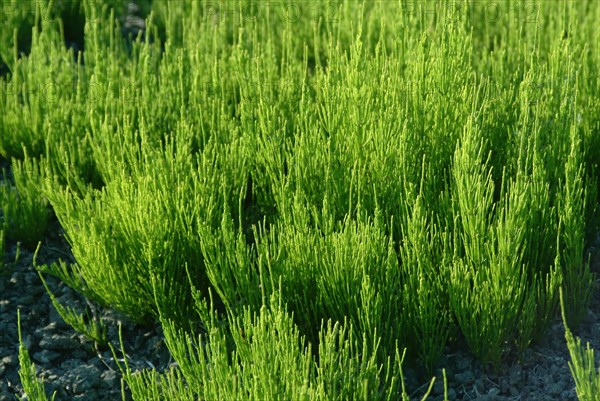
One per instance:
[(68, 363)]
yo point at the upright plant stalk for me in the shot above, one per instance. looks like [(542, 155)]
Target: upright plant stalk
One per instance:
[(32, 386), (583, 364), (578, 279)]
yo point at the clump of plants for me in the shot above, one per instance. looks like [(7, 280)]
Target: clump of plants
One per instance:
[(262, 355), (358, 178), (25, 210), (2, 250), (583, 363)]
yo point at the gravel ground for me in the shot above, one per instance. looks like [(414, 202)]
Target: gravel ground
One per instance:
[(71, 366), (67, 362)]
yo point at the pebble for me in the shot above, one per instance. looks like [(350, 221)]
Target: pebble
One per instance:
[(10, 360), (515, 375), (45, 356), (31, 278), (86, 378), (5, 394), (25, 300), (5, 329), (111, 378), (493, 392), (555, 389), (47, 329), (59, 342), (466, 377)]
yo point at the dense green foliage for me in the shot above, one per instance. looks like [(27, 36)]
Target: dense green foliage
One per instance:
[(391, 173), (25, 209), (271, 361), (2, 250), (582, 365)]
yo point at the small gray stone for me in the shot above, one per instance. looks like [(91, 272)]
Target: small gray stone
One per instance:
[(59, 342), (31, 278), (515, 375), (38, 312), (50, 375), (79, 353), (10, 360), (45, 356), (110, 379), (569, 394), (86, 377), (4, 392), (466, 377), (55, 318), (70, 365), (6, 329), (46, 330), (90, 395), (438, 387), (25, 300), (554, 389), (51, 387)]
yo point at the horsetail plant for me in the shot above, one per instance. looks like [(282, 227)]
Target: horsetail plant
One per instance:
[(268, 359), (495, 293), (117, 253), (2, 231), (2, 250), (583, 363), (91, 327), (426, 260), (32, 386), (578, 279), (29, 215)]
